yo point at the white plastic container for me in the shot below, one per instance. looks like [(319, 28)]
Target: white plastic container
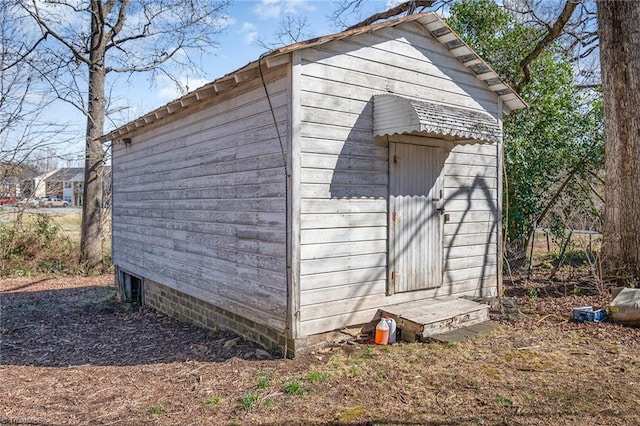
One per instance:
[(392, 329)]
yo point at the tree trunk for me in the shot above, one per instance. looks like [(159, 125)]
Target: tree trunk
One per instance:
[(619, 34), (91, 238)]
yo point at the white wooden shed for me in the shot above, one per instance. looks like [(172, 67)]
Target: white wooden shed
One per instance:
[(314, 188)]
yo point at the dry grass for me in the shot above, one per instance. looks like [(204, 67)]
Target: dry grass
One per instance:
[(43, 241), (68, 219), (72, 355)]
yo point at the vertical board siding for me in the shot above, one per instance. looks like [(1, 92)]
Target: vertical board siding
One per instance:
[(344, 174), (199, 204)]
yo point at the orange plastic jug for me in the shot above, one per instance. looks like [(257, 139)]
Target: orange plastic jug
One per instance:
[(382, 332)]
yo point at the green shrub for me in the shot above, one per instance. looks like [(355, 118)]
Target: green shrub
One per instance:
[(248, 401)]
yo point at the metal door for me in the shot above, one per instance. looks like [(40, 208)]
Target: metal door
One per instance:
[(415, 216)]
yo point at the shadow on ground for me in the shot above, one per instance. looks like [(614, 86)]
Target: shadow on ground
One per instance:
[(89, 326)]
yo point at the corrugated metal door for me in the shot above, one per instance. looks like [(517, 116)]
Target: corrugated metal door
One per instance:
[(415, 200)]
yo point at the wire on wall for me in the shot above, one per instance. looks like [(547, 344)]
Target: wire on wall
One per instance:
[(286, 198)]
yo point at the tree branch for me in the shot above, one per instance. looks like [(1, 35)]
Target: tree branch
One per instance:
[(148, 67), (23, 56), (553, 32), (36, 16), (122, 13), (409, 7)]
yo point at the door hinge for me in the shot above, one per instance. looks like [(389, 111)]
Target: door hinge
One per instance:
[(395, 158), (394, 275), (394, 216)]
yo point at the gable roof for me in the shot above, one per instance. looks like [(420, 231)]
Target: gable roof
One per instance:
[(65, 174), (429, 20)]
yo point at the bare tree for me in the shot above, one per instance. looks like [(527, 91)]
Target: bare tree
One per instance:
[(292, 29), (23, 131), (89, 39)]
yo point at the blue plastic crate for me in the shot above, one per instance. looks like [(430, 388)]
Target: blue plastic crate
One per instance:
[(587, 314)]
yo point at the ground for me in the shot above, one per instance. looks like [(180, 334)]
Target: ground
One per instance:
[(72, 354)]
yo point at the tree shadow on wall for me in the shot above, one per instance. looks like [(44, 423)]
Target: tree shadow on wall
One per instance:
[(361, 175)]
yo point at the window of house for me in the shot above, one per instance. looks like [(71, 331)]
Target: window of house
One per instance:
[(67, 185)]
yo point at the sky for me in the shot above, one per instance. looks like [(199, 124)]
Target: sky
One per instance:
[(248, 22), (251, 22)]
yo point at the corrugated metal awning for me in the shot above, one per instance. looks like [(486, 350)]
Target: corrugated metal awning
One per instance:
[(396, 114)]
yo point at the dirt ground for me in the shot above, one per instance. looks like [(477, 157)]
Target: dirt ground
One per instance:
[(71, 354)]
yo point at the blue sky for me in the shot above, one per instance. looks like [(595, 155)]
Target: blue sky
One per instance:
[(247, 22), (252, 21)]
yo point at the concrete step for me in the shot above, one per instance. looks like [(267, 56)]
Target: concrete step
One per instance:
[(417, 320)]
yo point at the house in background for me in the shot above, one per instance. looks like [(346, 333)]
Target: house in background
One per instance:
[(67, 184), (36, 187), (318, 187)]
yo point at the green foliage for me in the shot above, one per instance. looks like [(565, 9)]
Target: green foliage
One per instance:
[(47, 229), (493, 33), (214, 400), (559, 137), (316, 377), (248, 401), (156, 410), (292, 388), (504, 400)]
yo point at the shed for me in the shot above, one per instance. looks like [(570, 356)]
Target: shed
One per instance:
[(314, 189)]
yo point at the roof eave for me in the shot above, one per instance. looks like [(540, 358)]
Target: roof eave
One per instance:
[(439, 29)]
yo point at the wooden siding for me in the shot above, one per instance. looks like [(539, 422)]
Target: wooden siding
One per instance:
[(344, 175), (199, 203)]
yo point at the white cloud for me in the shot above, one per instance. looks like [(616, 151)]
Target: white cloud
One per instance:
[(250, 32), (293, 6), (33, 98), (274, 8), (225, 21), (268, 9)]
